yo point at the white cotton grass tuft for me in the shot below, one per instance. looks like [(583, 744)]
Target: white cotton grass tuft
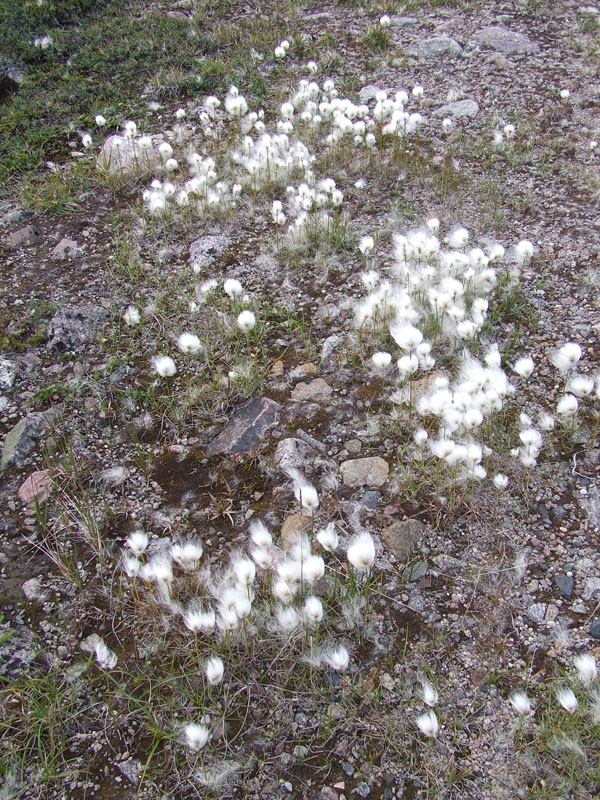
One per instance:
[(100, 120), (500, 481), (566, 697), (520, 702), (104, 655), (196, 736), (366, 244), (567, 406), (313, 610), (164, 366), (381, 360), (337, 658), (428, 724), (566, 357), (385, 21), (524, 366), (232, 288), (581, 385), (328, 538), (137, 542), (430, 693), (131, 317), (214, 670), (585, 665), (260, 535), (246, 321), (189, 343), (361, 551)]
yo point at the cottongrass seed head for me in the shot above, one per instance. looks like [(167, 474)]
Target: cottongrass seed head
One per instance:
[(428, 724)]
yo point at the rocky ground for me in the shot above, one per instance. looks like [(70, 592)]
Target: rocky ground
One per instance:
[(485, 597)]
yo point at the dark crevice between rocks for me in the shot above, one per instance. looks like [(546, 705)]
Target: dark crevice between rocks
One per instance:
[(8, 88)]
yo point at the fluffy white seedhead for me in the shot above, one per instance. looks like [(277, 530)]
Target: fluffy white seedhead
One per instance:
[(586, 668), (581, 385), (500, 481), (381, 360), (566, 356), (164, 366), (366, 244), (244, 570), (308, 497), (337, 658), (313, 610), (189, 343), (567, 406), (131, 317), (428, 724), (232, 288), (104, 656), (524, 367), (100, 120), (187, 554), (288, 619), (260, 535), (137, 542), (328, 538), (520, 702), (214, 670), (566, 697), (313, 568), (246, 321), (361, 552), (430, 693), (196, 736)]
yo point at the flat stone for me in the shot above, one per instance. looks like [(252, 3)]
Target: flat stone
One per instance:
[(304, 371), (595, 629), (330, 351), (537, 612), (277, 369), (403, 22), (368, 93), (18, 649), (22, 437), (294, 525), (114, 476), (353, 446), (8, 373), (122, 157), (436, 47), (74, 327), (371, 499), (291, 452), (372, 471), (591, 505), (591, 588), (458, 110), (496, 37), (415, 572), (22, 237), (36, 489), (66, 248), (588, 11), (317, 391), (34, 591), (208, 249), (246, 427), (565, 585), (403, 538)]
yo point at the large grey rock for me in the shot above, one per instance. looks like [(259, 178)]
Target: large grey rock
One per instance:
[(21, 439), (207, 249), (403, 22), (403, 538), (22, 237), (72, 328), (18, 649), (591, 588), (246, 427), (122, 157), (368, 93), (317, 391), (565, 585), (462, 108), (291, 452), (66, 248), (330, 350), (8, 373), (436, 47), (591, 505), (505, 41), (372, 471)]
